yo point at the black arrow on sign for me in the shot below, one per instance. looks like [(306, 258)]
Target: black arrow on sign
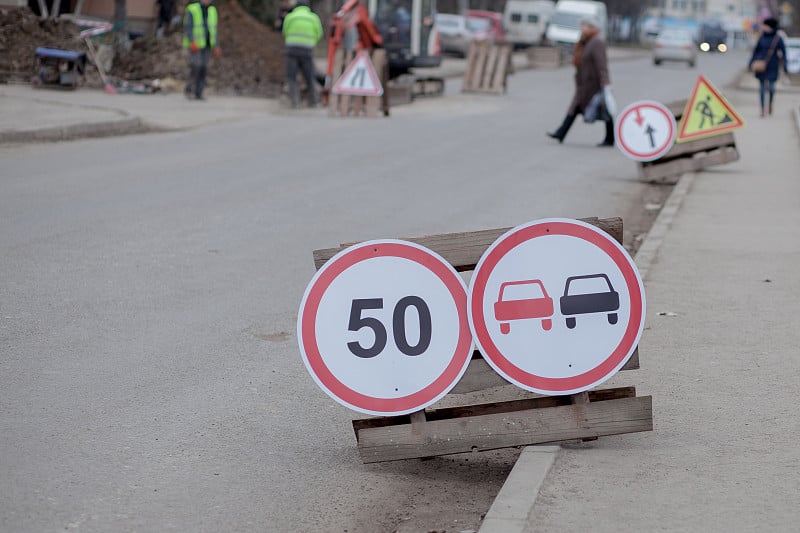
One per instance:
[(650, 131)]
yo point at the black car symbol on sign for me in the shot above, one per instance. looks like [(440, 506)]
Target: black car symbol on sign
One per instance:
[(592, 302)]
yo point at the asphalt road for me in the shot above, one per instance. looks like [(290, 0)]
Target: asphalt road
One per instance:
[(150, 378)]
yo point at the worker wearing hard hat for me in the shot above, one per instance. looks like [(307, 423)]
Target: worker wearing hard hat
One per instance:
[(302, 30), (201, 39)]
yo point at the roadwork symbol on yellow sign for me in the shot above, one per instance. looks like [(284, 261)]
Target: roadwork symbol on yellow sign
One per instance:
[(707, 114)]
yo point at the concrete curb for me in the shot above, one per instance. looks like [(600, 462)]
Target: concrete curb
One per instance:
[(648, 250), (510, 510), (125, 126)]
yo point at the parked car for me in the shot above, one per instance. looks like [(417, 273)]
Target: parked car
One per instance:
[(456, 32), (565, 26), (675, 45), (497, 30), (792, 54)]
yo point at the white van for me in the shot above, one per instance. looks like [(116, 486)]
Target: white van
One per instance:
[(565, 26), (526, 20)]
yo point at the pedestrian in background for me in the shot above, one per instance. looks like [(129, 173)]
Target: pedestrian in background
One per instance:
[(166, 9), (591, 80), (302, 30), (201, 39), (764, 62)]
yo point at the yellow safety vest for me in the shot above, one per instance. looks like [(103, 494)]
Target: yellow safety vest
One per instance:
[(198, 29), (302, 27)]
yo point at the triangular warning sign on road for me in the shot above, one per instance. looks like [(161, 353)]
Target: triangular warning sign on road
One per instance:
[(359, 78), (707, 113)]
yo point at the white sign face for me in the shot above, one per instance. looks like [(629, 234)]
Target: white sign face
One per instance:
[(359, 78), (556, 306), (645, 131), (383, 327)]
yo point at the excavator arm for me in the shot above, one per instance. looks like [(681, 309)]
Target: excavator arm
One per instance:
[(352, 16)]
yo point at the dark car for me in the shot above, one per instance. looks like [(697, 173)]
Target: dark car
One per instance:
[(712, 37), (577, 302)]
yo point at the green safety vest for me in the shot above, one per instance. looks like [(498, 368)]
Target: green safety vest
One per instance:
[(302, 27), (198, 29)]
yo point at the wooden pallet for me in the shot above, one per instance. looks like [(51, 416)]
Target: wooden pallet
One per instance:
[(488, 67), (689, 156), (346, 105), (544, 57), (535, 420)]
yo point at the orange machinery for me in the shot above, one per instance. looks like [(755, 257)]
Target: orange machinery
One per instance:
[(352, 16)]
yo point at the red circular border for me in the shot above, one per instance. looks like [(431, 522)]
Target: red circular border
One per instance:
[(477, 292), (403, 404), (640, 156)]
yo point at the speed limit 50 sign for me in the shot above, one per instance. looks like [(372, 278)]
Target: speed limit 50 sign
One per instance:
[(383, 327)]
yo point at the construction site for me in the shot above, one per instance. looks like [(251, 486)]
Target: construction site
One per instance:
[(252, 61)]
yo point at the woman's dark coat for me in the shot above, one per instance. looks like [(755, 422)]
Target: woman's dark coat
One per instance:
[(591, 75), (762, 49)]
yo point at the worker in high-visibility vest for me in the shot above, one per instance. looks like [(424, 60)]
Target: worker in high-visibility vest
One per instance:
[(302, 30), (201, 39)]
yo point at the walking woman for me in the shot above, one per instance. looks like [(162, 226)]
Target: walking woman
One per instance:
[(764, 61), (591, 78)]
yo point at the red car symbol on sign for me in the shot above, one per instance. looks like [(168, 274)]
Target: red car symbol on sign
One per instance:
[(520, 309)]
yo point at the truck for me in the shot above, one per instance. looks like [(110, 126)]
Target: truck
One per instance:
[(526, 21), (565, 27)]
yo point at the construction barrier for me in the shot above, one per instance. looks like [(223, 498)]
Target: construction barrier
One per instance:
[(534, 420), (488, 67), (544, 57), (689, 156), (356, 105)]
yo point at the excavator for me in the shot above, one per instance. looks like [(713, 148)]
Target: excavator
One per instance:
[(406, 29)]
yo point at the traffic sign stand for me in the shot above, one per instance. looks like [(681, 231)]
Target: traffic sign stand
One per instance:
[(534, 420), (689, 156), (347, 104)]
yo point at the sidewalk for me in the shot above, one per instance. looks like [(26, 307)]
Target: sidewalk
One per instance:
[(718, 355), (36, 115), (30, 115)]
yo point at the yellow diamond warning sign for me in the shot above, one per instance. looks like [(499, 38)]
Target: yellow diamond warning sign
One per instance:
[(707, 114)]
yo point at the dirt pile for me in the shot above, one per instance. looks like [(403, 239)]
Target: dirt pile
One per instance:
[(251, 62), (21, 32)]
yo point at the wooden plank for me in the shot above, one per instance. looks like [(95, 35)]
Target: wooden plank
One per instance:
[(472, 53), (481, 376), (464, 249), (501, 73), (333, 99), (489, 69), (478, 376), (504, 430), (677, 108), (358, 104), (478, 67), (699, 145), (344, 99), (373, 103), (676, 167), (544, 57), (535, 402)]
